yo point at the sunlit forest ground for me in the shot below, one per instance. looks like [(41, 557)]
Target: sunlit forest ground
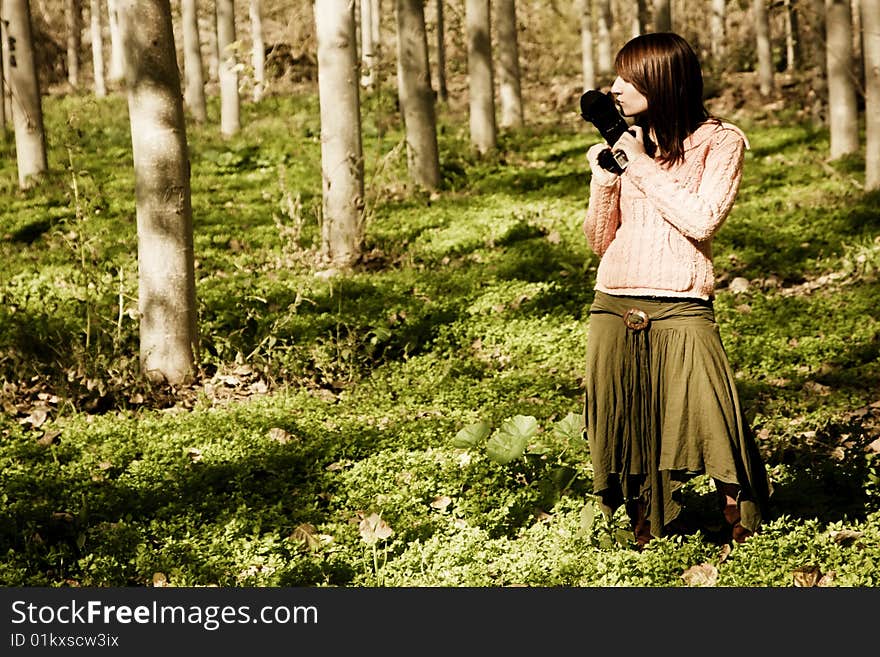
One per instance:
[(415, 423)]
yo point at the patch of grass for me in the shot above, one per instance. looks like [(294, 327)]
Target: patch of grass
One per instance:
[(318, 444)]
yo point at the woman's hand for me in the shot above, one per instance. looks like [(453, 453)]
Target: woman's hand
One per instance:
[(631, 144), (600, 175)]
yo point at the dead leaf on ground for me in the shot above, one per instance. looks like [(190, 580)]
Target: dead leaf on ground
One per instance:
[(159, 580), (51, 437), (704, 574), (280, 435), (441, 502), (806, 576), (306, 535), (845, 536)]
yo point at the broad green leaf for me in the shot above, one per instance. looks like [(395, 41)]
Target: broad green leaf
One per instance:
[(520, 426), (509, 442), (472, 434), (588, 517), (570, 427), (505, 447)]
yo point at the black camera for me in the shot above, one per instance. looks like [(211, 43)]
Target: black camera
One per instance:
[(600, 109)]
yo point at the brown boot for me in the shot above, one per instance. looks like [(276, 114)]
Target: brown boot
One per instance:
[(732, 516), (637, 511)]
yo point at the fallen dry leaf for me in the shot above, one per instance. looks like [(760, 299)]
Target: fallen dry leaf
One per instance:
[(806, 576), (441, 502), (705, 574)]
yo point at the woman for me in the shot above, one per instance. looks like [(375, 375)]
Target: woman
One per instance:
[(661, 402)]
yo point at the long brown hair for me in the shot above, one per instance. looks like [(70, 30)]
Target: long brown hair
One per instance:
[(664, 68)]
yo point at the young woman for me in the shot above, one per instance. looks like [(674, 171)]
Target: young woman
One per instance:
[(661, 401)]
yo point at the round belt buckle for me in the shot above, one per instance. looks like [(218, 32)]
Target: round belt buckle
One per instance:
[(636, 319)]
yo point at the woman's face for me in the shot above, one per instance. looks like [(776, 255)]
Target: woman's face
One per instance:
[(630, 100)]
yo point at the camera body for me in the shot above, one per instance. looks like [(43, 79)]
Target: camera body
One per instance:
[(600, 109)]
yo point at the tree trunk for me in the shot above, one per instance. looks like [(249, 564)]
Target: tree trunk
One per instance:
[(116, 71), (640, 19), (481, 85), (764, 50), (792, 37), (587, 61), (871, 50), (73, 20), (509, 89), (24, 87), (166, 276), (4, 54), (210, 29), (342, 163), (604, 21), (662, 16), (230, 102), (368, 54), (441, 54), (843, 115), (258, 49), (718, 25), (194, 89), (416, 95), (97, 48)]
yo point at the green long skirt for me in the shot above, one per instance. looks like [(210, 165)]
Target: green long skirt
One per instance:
[(661, 406)]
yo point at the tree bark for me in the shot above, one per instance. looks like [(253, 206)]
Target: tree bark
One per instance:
[(842, 112), (368, 54), (509, 88), (166, 275), (97, 48), (588, 67), (718, 26), (73, 20), (481, 86), (662, 16), (792, 37), (24, 87), (342, 163), (4, 55), (230, 102), (117, 67), (764, 50), (604, 21), (640, 19), (416, 95), (194, 88), (258, 49), (871, 50), (442, 88)]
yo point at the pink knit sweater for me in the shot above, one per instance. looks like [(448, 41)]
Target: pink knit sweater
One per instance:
[(652, 227)]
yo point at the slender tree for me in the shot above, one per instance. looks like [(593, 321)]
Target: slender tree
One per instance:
[(640, 18), (843, 114), (210, 29), (442, 89), (662, 16), (483, 129), (230, 101), (117, 67), (416, 95), (97, 48), (871, 49), (588, 67), (792, 37), (3, 73), (4, 56), (73, 20), (342, 163), (258, 51), (764, 48), (718, 28), (194, 88), (166, 272), (24, 87), (509, 88), (368, 54), (604, 22)]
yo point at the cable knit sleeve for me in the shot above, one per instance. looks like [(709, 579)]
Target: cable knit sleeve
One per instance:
[(603, 214), (698, 213)]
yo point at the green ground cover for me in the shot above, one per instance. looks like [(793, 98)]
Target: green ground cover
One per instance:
[(414, 423)]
